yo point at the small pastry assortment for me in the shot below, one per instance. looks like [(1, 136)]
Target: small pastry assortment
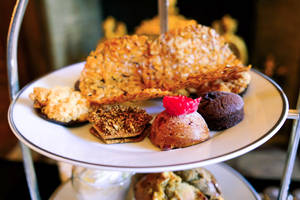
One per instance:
[(180, 125), (221, 110), (62, 105), (192, 58), (195, 184), (118, 123)]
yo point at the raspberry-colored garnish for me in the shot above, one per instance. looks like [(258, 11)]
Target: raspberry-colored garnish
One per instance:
[(180, 105)]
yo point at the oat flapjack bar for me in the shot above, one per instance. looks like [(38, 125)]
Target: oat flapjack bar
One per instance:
[(118, 121), (137, 138)]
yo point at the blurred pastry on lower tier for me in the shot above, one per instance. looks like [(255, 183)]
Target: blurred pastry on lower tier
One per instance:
[(202, 179), (221, 110), (118, 123), (62, 105), (179, 125), (195, 184)]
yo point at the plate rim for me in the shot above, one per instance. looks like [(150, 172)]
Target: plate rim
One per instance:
[(178, 166)]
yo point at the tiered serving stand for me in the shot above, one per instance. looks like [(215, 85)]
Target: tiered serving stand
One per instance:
[(266, 109)]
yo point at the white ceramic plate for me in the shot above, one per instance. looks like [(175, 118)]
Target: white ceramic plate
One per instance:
[(232, 185), (266, 109)]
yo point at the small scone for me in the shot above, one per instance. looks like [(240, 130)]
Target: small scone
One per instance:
[(118, 123), (195, 184), (62, 105), (221, 110), (169, 132)]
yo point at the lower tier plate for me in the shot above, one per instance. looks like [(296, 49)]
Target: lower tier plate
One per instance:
[(232, 185), (266, 108)]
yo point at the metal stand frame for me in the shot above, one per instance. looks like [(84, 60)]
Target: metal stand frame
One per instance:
[(291, 152), (12, 69), (13, 83)]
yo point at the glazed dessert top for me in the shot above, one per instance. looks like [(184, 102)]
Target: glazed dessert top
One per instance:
[(180, 105), (220, 103), (180, 125)]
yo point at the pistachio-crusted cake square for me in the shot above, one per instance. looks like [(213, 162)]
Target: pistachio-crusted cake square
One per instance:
[(118, 121)]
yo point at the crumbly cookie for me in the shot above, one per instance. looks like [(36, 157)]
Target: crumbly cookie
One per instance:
[(61, 104)]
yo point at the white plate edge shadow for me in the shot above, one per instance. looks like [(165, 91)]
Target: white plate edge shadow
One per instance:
[(65, 190), (179, 166)]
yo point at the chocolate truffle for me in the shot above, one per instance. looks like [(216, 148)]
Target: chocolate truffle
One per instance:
[(221, 110)]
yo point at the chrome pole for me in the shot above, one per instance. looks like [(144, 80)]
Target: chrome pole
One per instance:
[(291, 155), (13, 84), (163, 6)]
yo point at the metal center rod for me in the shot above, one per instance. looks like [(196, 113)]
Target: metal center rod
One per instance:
[(13, 84), (291, 156), (163, 6)]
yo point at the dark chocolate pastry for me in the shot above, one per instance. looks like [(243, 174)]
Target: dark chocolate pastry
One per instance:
[(221, 110)]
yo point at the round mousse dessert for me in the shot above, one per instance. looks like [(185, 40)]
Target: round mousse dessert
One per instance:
[(221, 110), (179, 125)]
